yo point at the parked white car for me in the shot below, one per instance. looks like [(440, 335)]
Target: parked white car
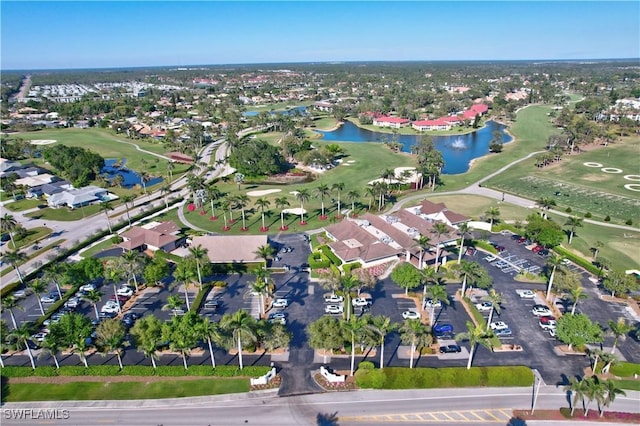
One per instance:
[(125, 291), (411, 315), (87, 288), (360, 301), (333, 309), (541, 311), (526, 294), (72, 303), (280, 303), (432, 304), (333, 298), (110, 307), (484, 306), (498, 325)]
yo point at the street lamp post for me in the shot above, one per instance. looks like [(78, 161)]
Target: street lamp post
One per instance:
[(536, 389)]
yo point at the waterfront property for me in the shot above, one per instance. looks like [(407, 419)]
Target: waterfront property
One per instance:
[(75, 198)]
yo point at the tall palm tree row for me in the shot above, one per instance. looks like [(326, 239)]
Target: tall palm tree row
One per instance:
[(303, 196), (262, 204), (281, 203)]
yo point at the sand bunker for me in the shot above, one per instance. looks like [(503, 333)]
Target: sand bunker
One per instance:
[(262, 192), (296, 210), (43, 141), (294, 193)]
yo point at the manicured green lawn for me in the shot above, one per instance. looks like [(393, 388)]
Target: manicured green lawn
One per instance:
[(325, 123), (32, 235), (355, 176), (475, 206), (582, 188), (174, 388), (66, 214), (24, 204), (111, 145)]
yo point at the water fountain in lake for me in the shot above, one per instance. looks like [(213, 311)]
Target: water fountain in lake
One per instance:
[(458, 143)]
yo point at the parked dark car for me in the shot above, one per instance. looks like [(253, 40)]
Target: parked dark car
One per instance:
[(450, 349), (516, 237), (443, 330)]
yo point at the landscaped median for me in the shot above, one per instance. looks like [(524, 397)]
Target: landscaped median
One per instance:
[(450, 377), (106, 382)]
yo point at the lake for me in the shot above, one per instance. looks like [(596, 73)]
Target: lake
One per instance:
[(457, 150), (302, 110), (130, 178)]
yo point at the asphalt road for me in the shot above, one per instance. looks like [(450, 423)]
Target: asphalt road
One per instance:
[(353, 408)]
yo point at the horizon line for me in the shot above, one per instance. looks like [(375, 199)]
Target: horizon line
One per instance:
[(327, 62)]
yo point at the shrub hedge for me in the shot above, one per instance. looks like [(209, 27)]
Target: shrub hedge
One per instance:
[(348, 267), (426, 378), (318, 260), (586, 264), (134, 370), (332, 257), (485, 246), (206, 287)]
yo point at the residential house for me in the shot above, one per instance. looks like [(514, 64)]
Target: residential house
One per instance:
[(394, 122), (425, 125), (75, 198)]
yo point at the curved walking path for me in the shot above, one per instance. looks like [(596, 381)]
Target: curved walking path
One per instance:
[(144, 150)]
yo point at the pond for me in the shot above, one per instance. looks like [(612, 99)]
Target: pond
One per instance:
[(457, 150), (114, 167)]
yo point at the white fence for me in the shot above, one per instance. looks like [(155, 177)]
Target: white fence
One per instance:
[(333, 378), (263, 380)]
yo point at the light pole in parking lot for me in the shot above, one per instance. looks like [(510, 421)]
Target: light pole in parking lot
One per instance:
[(536, 388)]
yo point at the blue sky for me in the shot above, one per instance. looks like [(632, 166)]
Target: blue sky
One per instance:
[(46, 35)]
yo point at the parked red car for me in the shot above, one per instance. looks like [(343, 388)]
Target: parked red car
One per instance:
[(121, 299), (537, 249)]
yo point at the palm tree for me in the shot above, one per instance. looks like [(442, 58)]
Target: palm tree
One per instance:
[(9, 303), (51, 345), (147, 335), (594, 391), (439, 228), (241, 202), (199, 254), (573, 222), (144, 178), (595, 354), (577, 293), (303, 196), (496, 300), (553, 262), (322, 191), (353, 327), (611, 390), (281, 203), (578, 389), (417, 334), (347, 284), (126, 199), (596, 249), (619, 329), (353, 196), (21, 335), (105, 206), (466, 270), (242, 327), (545, 204), (437, 293), (259, 286), (211, 332), (110, 338), (54, 273), (225, 205), (265, 252), (423, 244), (94, 296), (381, 326), (38, 286), (338, 187), (213, 193), (14, 257), (475, 335), (9, 224), (132, 264), (165, 190), (170, 167), (609, 359), (263, 203), (493, 213), (174, 302), (463, 231), (370, 192)]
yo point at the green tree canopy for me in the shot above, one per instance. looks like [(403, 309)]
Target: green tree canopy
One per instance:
[(406, 276), (545, 231), (256, 157), (76, 164), (578, 330)]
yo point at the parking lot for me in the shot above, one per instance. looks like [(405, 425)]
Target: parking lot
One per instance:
[(306, 304)]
